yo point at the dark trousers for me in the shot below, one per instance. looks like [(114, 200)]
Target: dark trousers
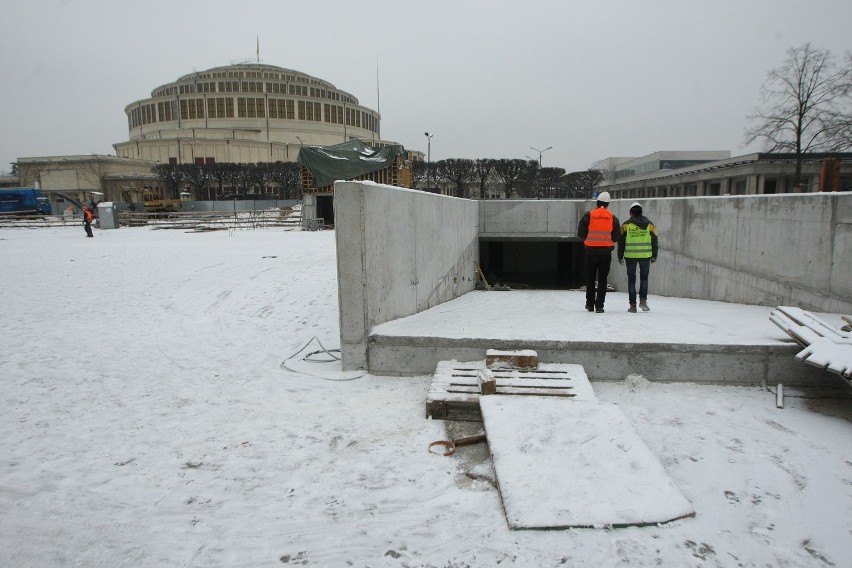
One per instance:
[(597, 268), (88, 227), (644, 268)]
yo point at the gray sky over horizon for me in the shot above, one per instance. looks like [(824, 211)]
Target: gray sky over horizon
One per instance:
[(488, 78)]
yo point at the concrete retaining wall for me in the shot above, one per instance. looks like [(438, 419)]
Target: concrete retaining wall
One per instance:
[(399, 252), (770, 250)]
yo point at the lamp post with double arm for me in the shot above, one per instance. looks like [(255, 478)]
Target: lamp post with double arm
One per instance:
[(540, 152)]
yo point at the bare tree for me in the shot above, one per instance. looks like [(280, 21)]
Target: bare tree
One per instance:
[(419, 173), (482, 169), (223, 173), (198, 177), (581, 185), (287, 176), (248, 179), (512, 172), (528, 180), (424, 175), (549, 183), (459, 172), (172, 176), (806, 106)]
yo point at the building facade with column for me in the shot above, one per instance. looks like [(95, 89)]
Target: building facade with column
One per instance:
[(244, 113), (750, 174)]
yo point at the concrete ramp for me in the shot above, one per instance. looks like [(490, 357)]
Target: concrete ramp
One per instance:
[(564, 463)]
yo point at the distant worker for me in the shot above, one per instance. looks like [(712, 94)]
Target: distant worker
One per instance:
[(87, 220), (638, 246), (599, 231)]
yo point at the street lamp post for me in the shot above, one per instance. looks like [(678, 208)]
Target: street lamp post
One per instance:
[(428, 156), (428, 147), (540, 152)]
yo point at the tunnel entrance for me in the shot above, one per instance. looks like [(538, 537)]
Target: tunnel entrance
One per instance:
[(325, 209), (533, 264)]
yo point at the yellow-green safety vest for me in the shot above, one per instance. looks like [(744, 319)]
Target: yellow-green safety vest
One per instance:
[(637, 242)]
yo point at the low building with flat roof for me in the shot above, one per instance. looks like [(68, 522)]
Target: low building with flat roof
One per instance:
[(751, 174)]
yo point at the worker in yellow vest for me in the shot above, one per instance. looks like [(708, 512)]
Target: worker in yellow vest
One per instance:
[(599, 231), (638, 246)]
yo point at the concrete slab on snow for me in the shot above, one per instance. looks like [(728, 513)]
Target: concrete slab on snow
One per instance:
[(563, 463)]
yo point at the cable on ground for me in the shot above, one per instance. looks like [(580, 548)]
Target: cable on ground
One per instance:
[(329, 356)]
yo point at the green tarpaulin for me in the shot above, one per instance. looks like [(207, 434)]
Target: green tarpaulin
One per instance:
[(347, 160)]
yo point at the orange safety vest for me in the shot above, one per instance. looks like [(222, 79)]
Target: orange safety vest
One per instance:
[(600, 228), (88, 215)]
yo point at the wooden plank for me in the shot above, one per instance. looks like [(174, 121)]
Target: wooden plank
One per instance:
[(529, 385), (486, 382), (464, 372), (463, 412), (813, 323), (436, 409), (524, 358), (824, 346), (831, 355), (552, 383), (803, 335), (540, 391)]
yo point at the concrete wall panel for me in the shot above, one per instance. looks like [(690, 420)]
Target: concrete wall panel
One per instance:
[(539, 218), (563, 216), (399, 252), (774, 230), (841, 266)]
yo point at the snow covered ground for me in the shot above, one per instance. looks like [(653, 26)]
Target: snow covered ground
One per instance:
[(148, 421)]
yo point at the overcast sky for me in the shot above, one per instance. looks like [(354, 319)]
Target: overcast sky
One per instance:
[(488, 78)]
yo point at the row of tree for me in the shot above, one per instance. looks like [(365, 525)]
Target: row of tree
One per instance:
[(224, 180), (472, 179), (484, 177)]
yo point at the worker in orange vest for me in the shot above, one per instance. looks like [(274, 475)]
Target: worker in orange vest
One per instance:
[(599, 230), (87, 220)]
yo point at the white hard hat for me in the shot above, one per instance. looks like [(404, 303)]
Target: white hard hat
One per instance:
[(636, 205), (604, 197)]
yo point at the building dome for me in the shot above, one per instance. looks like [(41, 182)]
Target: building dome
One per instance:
[(243, 113)]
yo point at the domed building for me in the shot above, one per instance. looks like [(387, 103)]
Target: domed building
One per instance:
[(244, 113)]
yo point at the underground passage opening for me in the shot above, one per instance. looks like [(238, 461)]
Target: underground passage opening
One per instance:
[(533, 264), (325, 209)]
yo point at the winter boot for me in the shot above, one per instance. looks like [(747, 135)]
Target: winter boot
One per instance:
[(632, 308), (590, 307), (643, 303), (599, 310)]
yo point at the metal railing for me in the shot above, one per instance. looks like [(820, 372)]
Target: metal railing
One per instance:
[(313, 224), (195, 220)]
